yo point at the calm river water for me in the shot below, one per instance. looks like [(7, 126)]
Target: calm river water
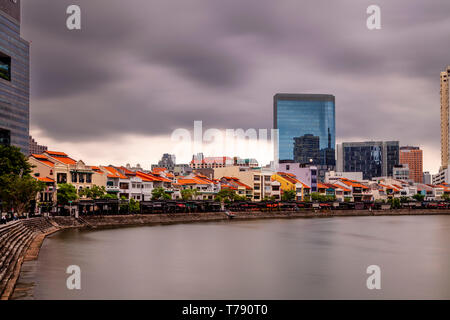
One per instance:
[(265, 259)]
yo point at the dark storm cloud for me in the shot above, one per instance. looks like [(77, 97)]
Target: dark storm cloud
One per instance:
[(147, 67)]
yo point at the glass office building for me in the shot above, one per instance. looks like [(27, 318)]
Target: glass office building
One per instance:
[(306, 128), (372, 158), (14, 78)]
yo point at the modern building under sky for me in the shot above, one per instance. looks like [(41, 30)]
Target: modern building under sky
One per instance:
[(14, 78), (305, 118), (372, 158), (445, 156), (412, 156), (306, 129)]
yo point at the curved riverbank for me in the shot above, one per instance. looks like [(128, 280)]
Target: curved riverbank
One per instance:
[(21, 241)]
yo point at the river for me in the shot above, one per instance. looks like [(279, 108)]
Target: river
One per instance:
[(264, 259)]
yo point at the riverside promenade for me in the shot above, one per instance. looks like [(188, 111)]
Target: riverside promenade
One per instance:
[(21, 240)]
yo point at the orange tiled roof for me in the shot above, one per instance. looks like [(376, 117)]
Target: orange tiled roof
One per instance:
[(61, 157), (341, 187), (46, 179), (146, 177), (353, 183), (238, 182), (114, 173), (44, 159)]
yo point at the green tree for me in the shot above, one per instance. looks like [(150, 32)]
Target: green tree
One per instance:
[(395, 203), (446, 197), (419, 197), (19, 191), (95, 192), (12, 161), (288, 195), (404, 199), (134, 206), (160, 194), (225, 195), (188, 194), (109, 196), (66, 192)]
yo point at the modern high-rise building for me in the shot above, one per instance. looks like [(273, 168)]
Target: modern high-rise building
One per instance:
[(372, 158), (307, 149), (445, 155), (14, 77), (412, 156), (303, 121), (35, 148)]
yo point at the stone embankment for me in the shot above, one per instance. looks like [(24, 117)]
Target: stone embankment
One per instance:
[(21, 240)]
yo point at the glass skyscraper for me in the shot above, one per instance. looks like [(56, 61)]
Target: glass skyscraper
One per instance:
[(372, 158), (306, 128), (14, 78)]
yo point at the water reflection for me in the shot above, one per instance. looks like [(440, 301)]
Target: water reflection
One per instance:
[(267, 259)]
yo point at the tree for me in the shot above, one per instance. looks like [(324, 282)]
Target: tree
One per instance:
[(17, 187), (19, 191), (12, 161), (95, 192), (188, 194), (395, 203), (66, 192), (160, 194), (109, 196), (134, 206), (404, 199), (288, 195), (225, 195), (419, 197), (446, 197)]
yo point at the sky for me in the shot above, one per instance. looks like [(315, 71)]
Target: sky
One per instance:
[(115, 91)]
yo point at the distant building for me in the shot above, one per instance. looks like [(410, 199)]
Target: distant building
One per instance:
[(199, 161), (441, 177), (427, 178), (372, 158), (401, 172), (167, 161), (35, 148), (333, 176), (306, 129), (307, 149), (412, 156), (14, 79), (182, 169), (445, 117), (307, 174)]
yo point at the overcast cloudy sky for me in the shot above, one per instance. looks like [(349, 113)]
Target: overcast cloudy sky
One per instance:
[(114, 91)]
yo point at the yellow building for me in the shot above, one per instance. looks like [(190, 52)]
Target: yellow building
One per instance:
[(289, 182)]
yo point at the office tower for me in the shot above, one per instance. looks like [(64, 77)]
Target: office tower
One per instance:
[(35, 148), (301, 120), (412, 156), (307, 149), (14, 78), (445, 156), (372, 158)]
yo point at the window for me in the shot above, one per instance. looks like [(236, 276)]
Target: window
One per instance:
[(74, 177), (89, 177), (5, 66), (61, 178)]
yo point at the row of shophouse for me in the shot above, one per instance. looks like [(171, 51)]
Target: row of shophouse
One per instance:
[(255, 183)]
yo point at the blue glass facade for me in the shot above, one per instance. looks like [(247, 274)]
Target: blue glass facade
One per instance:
[(14, 80), (306, 128)]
